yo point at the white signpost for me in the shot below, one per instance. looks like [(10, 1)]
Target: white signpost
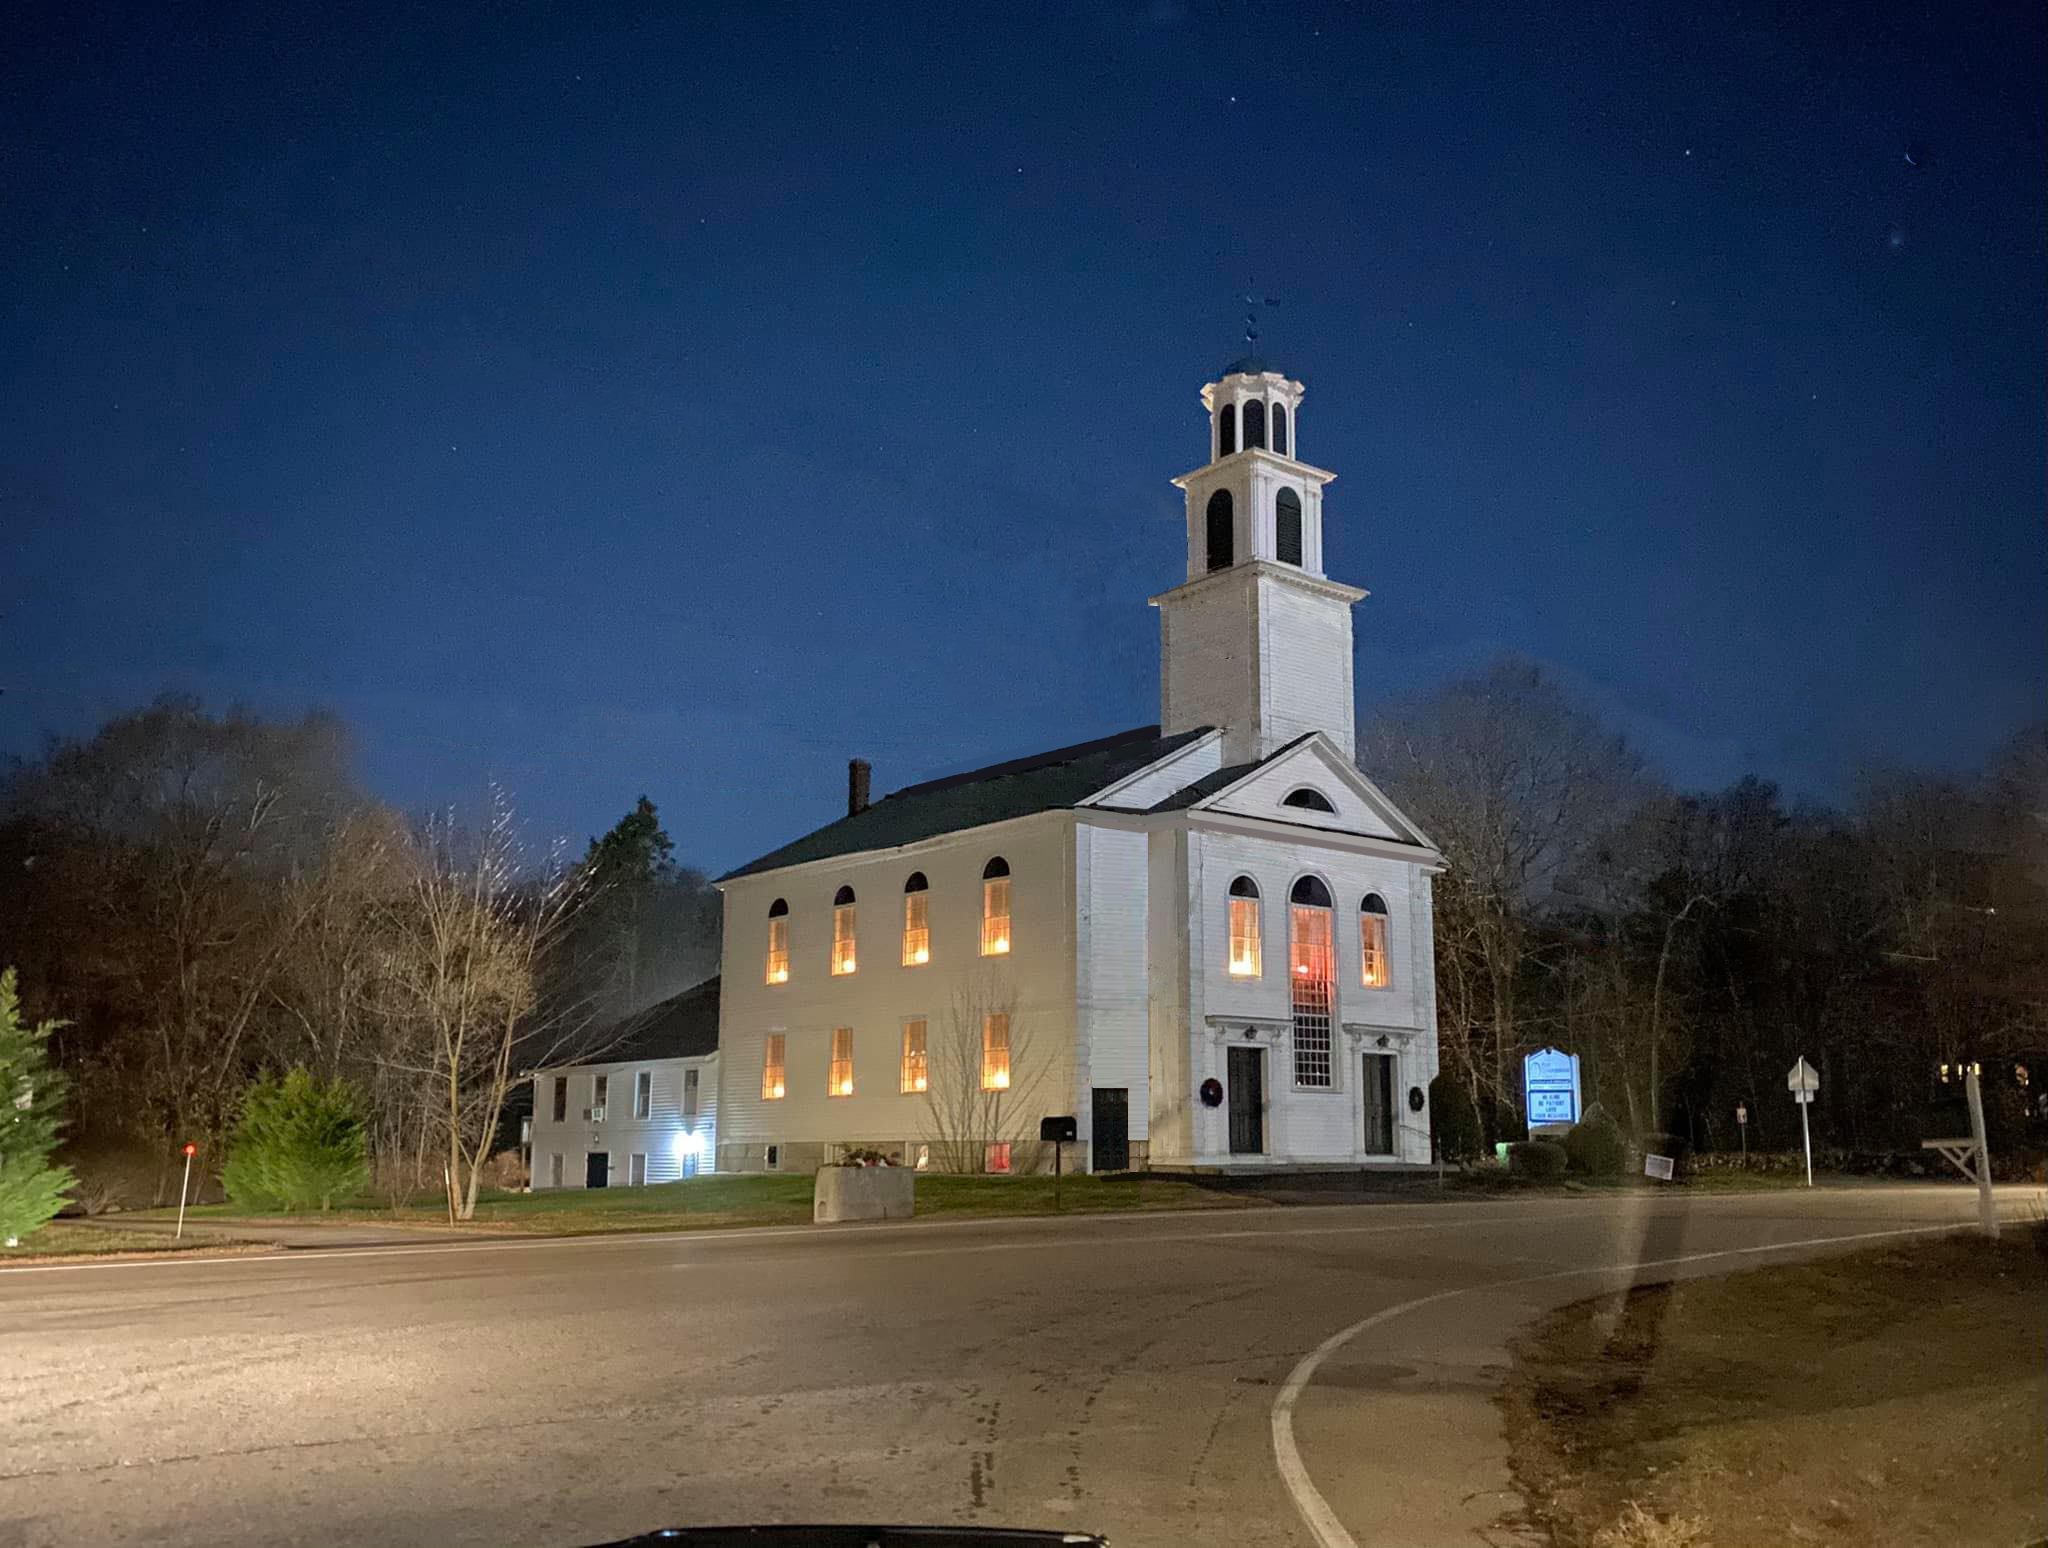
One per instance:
[(1802, 1083)]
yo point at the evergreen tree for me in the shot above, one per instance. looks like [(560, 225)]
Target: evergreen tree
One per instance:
[(298, 1143), (31, 1099)]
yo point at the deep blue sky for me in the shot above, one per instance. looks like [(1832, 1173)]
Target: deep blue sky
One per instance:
[(616, 399)]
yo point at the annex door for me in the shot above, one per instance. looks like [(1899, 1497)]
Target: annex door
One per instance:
[(597, 1170), (1111, 1129), (1246, 1070), (1377, 1094)]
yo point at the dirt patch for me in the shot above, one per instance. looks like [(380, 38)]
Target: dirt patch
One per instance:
[(1885, 1398)]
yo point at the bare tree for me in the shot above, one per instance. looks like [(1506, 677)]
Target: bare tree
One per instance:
[(983, 1077)]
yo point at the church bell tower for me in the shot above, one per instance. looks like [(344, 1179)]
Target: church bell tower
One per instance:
[(1257, 640)]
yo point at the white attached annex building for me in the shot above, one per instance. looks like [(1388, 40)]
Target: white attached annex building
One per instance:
[(1208, 940)]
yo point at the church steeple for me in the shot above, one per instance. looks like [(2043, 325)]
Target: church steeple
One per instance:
[(1257, 641)]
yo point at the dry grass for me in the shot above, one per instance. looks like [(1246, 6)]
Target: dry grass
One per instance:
[(1877, 1400), (60, 1240)]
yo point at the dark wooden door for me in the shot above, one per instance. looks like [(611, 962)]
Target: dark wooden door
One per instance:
[(597, 1170), (1111, 1129), (1378, 1093), (1247, 1080)]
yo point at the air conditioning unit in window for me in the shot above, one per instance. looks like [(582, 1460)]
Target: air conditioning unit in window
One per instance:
[(594, 1114)]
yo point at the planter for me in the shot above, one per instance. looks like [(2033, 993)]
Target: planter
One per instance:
[(863, 1193)]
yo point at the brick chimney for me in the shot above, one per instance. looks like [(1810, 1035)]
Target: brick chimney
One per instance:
[(857, 771)]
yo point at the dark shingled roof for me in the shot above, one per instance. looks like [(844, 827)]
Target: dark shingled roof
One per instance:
[(684, 1026), (1222, 779), (1045, 782)]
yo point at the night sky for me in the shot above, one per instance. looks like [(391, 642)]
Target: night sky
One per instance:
[(684, 400)]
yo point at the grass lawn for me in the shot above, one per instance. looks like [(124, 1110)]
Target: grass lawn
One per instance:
[(1887, 1398), (61, 1239), (758, 1199)]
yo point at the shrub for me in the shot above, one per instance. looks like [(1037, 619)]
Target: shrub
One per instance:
[(1454, 1119), (1595, 1147), (298, 1143), (1540, 1160), (31, 1097)]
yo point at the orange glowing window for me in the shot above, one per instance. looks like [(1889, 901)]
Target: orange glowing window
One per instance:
[(1372, 942), (840, 1082), (778, 942), (1244, 928), (773, 1084), (995, 1051), (917, 931), (995, 908), (843, 955), (916, 1073)]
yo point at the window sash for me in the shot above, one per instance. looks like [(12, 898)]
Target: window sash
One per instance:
[(1244, 938), (636, 1170), (995, 1051), (561, 1099), (778, 950), (643, 1092), (917, 935), (995, 1156), (839, 1081), (774, 1085), (915, 1076), (1372, 951), (1310, 985), (600, 1091), (555, 1170), (689, 1096), (995, 916), (843, 956)]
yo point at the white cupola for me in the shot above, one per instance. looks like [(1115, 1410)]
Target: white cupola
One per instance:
[(1256, 641)]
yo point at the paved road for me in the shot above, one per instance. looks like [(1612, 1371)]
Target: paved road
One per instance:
[(1116, 1374)]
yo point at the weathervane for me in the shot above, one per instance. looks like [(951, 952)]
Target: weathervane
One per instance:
[(1253, 301)]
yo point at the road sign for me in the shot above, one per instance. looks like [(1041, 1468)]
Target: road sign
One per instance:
[(1741, 1113), (1802, 1082)]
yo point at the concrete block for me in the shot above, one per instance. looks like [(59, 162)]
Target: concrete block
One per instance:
[(863, 1193)]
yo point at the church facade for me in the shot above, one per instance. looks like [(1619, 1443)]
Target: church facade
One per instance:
[(1209, 941)]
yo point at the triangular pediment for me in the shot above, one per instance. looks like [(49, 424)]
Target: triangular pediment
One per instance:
[(1303, 770)]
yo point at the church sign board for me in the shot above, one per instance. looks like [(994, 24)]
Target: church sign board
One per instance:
[(1550, 1090)]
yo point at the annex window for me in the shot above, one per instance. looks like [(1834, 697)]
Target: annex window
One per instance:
[(1311, 980), (1255, 424), (1222, 530), (643, 1093), (995, 907), (840, 1081), (917, 927), (778, 942), (1244, 928), (916, 1074), (600, 1092), (1372, 941), (995, 1051), (842, 931), (555, 1170), (636, 1169), (1280, 428), (1308, 800), (689, 1096), (1287, 527), (774, 1083), (995, 1157), (1226, 430), (561, 1099)]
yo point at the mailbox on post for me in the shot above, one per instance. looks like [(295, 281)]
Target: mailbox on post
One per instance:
[(1062, 1132)]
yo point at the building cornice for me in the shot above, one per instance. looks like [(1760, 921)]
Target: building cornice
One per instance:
[(1301, 580)]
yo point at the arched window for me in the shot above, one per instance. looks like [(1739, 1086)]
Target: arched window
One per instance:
[(1255, 423), (1372, 941), (1244, 928), (1311, 980), (1287, 527), (843, 955), (917, 933), (995, 907), (778, 942), (1309, 801), (1226, 431), (1280, 428), (1222, 530)]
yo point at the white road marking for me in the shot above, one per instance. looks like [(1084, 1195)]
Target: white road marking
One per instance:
[(1315, 1511)]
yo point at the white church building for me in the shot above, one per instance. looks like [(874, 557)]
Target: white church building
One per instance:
[(1209, 940)]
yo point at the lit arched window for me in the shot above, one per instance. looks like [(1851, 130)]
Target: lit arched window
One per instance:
[(995, 907), (1226, 431), (1287, 527), (778, 942), (1244, 928), (917, 934), (1309, 801), (1255, 424), (1222, 525), (1372, 941), (1280, 428), (1311, 980), (842, 931)]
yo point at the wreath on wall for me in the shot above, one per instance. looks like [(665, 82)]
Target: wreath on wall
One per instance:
[(1212, 1092)]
